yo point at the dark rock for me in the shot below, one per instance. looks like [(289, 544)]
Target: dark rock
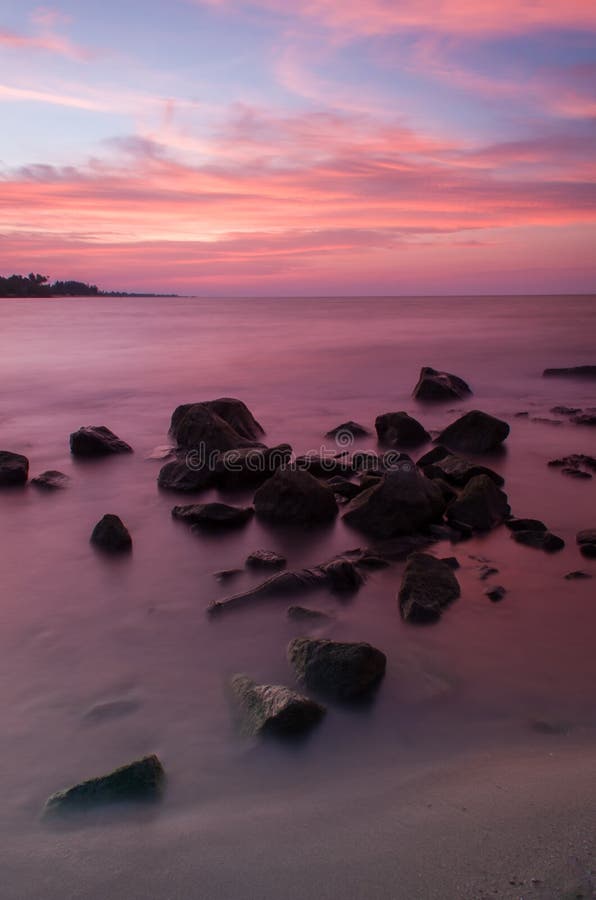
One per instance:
[(344, 671), (495, 593), (368, 480), (447, 491), (541, 540), (586, 540), (139, 780), (577, 575), (403, 502), (515, 524), (323, 465), (233, 412), (96, 440), (303, 614), (265, 559), (432, 456), (565, 410), (486, 572), (343, 488), (523, 414), (213, 515), (584, 371), (543, 420), (458, 471), (273, 708), (51, 480), (433, 385), (227, 574), (575, 473), (184, 476), (368, 462), (215, 425), (249, 466), (111, 534), (295, 496), (428, 586), (345, 431), (474, 432), (481, 505), (584, 419), (14, 468), (441, 532), (451, 561), (575, 460), (400, 429)]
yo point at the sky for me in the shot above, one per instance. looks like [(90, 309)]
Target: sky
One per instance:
[(321, 147)]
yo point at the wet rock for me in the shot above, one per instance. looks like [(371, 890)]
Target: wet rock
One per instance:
[(343, 488), (474, 432), (323, 465), (367, 462), (451, 561), (575, 473), (139, 780), (447, 491), (215, 425), (234, 412), (515, 524), (265, 559), (227, 574), (304, 614), (403, 502), (586, 541), (52, 480), (273, 708), (434, 385), (213, 515), (543, 420), (428, 586), (577, 575), (458, 471), (249, 466), (344, 671), (185, 477), (584, 419), (486, 572), (541, 540), (111, 534), (14, 468), (347, 430), (495, 593), (295, 497), (433, 455), (398, 429), (96, 440), (584, 371), (340, 576), (441, 532), (565, 410), (480, 506), (574, 461)]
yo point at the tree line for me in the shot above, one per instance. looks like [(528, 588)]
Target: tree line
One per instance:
[(35, 285)]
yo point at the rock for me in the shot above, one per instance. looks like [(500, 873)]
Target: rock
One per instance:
[(487, 571), (584, 419), (139, 780), (541, 540), (216, 425), (338, 575), (323, 465), (586, 540), (574, 461), (367, 462), (213, 515), (51, 480), (344, 671), (265, 559), (273, 708), (480, 506), (403, 502), (428, 586), (495, 593), (180, 475), (448, 493), (440, 532), (347, 430), (584, 371), (96, 440), (433, 385), (343, 488), (248, 466), (233, 412), (543, 420), (575, 473), (14, 468), (303, 614), (111, 534), (451, 561), (474, 432), (400, 429), (227, 574), (458, 471), (565, 410), (432, 456), (515, 524), (295, 497), (577, 575)]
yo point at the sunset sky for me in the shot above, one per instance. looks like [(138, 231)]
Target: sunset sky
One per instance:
[(223, 147)]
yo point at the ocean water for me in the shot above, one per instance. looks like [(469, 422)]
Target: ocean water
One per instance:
[(252, 819)]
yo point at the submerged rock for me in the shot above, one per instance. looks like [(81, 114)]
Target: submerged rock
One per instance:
[(343, 488), (14, 468), (541, 540), (180, 475), (111, 534), (96, 440), (577, 575), (475, 432), (342, 433), (458, 471), (584, 371), (304, 614), (428, 586), (586, 540), (403, 502), (515, 524), (584, 419), (213, 515), (295, 497), (273, 708), (495, 593), (344, 671), (265, 559), (139, 780), (480, 506), (400, 430), (52, 480), (565, 410), (576, 473), (434, 385)]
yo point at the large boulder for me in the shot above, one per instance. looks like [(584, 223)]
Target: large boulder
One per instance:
[(139, 780), (185, 476), (474, 432), (428, 586), (111, 534), (223, 424), (458, 471), (402, 502), (295, 496), (273, 708), (14, 468), (248, 466), (480, 506), (433, 385), (213, 515), (344, 671), (400, 430), (97, 440)]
